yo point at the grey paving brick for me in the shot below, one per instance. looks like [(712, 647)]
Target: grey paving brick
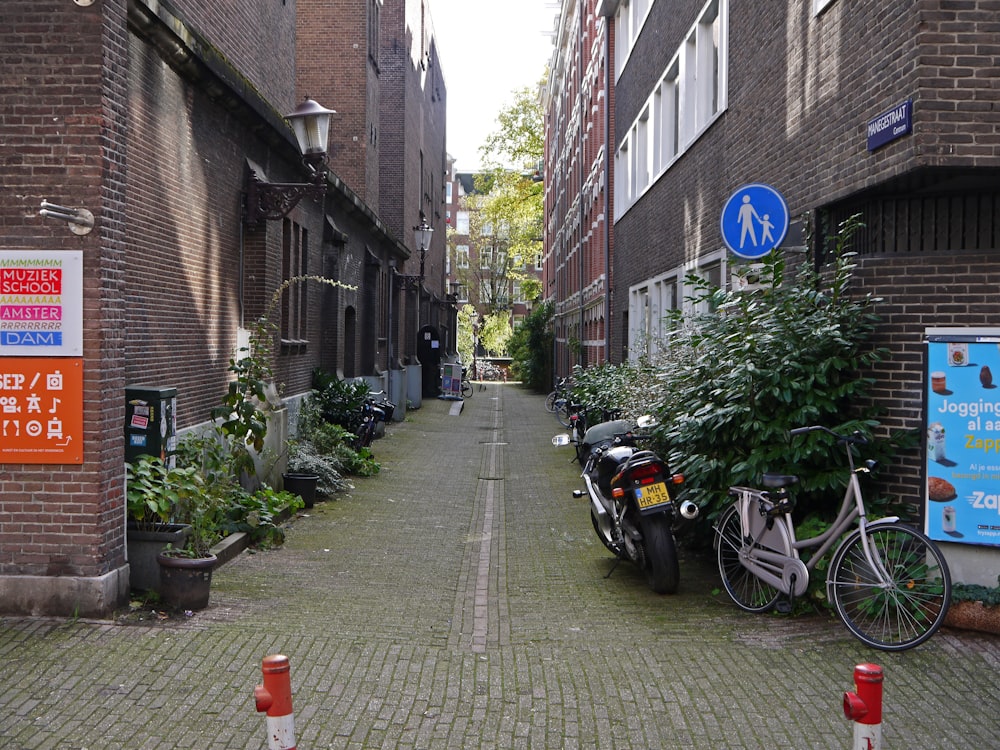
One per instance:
[(459, 599)]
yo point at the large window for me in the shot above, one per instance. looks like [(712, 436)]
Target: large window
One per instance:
[(462, 256), (294, 253), (688, 97), (652, 300)]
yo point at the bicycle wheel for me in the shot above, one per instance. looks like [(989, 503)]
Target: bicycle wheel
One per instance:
[(562, 414), (550, 401), (466, 389), (903, 611), (746, 589)]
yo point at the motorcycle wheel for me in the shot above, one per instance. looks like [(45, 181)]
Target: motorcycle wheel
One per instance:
[(662, 567)]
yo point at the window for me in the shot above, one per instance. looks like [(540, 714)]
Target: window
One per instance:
[(374, 8), (652, 300), (687, 99), (462, 222), (462, 256), (294, 252), (486, 258)]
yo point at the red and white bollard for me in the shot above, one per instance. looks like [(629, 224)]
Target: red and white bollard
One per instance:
[(275, 697), (864, 707)]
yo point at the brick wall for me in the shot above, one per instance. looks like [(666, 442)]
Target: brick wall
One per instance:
[(62, 141), (801, 91)]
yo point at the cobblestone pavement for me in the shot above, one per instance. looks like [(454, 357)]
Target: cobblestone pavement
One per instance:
[(460, 600)]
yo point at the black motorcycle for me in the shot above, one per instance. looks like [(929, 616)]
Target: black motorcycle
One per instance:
[(633, 498)]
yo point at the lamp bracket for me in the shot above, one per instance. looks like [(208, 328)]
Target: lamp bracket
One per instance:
[(273, 200), (411, 283)]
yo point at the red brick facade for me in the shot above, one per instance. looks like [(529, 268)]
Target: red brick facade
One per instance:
[(578, 238)]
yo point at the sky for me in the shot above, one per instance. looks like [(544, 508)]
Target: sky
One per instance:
[(488, 49)]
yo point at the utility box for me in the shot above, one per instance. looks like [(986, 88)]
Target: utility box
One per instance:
[(150, 422)]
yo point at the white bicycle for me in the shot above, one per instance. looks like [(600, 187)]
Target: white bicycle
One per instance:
[(888, 582)]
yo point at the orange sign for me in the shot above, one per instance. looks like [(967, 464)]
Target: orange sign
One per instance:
[(41, 410)]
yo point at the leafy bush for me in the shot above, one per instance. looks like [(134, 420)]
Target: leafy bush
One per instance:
[(338, 401), (766, 361), (531, 349), (324, 443), (258, 514)]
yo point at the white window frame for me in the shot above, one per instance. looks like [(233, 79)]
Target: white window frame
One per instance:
[(687, 99), (820, 5), (651, 299), (461, 256)]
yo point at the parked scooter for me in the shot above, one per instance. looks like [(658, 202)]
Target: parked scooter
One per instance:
[(633, 498)]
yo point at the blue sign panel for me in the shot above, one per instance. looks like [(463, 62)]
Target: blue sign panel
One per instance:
[(962, 501), (890, 125), (754, 220)]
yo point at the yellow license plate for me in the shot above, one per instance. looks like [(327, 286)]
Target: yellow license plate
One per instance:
[(652, 495)]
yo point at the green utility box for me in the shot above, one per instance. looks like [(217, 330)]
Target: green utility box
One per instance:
[(150, 422)]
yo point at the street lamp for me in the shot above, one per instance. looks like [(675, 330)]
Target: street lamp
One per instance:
[(273, 200), (422, 239)]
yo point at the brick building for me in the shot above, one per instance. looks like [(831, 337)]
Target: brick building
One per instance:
[(713, 95), (578, 106), (154, 116)]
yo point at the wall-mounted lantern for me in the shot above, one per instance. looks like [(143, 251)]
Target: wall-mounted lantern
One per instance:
[(273, 200)]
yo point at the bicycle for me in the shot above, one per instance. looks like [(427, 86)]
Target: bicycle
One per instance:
[(888, 582), (467, 389), (553, 400)]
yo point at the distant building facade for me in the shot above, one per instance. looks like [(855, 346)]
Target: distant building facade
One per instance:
[(578, 109)]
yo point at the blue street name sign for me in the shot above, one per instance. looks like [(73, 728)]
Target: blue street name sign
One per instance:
[(890, 125), (754, 220)]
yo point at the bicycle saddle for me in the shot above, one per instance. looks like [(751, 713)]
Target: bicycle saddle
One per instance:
[(777, 481)]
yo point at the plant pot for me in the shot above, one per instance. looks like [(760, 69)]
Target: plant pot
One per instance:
[(303, 485), (185, 582), (969, 615), (144, 545)]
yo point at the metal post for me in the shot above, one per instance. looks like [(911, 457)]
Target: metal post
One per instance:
[(275, 697), (864, 707)]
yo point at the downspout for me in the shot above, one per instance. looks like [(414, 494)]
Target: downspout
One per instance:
[(581, 358), (608, 218)]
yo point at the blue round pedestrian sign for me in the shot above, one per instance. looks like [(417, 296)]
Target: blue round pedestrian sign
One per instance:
[(754, 220)]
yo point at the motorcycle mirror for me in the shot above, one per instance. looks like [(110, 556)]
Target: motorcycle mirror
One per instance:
[(646, 420), (560, 440)]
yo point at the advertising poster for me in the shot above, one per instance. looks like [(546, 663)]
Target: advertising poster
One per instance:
[(41, 410), (963, 436), (41, 303)]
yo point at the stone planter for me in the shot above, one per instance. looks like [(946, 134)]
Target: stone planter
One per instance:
[(966, 615), (185, 582), (143, 547)]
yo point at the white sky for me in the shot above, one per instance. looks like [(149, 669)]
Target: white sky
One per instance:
[(488, 49)]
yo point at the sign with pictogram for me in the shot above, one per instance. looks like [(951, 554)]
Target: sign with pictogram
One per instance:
[(41, 303), (41, 410), (754, 221)]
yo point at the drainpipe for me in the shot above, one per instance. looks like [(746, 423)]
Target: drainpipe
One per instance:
[(608, 218)]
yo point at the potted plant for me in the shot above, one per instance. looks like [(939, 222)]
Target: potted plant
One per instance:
[(186, 571), (975, 607), (152, 493)]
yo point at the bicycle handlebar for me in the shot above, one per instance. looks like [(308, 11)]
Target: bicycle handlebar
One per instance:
[(855, 438)]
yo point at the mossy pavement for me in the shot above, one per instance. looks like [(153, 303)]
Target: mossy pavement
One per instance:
[(460, 599)]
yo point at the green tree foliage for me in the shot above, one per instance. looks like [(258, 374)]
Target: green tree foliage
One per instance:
[(520, 139), (495, 333), (531, 349)]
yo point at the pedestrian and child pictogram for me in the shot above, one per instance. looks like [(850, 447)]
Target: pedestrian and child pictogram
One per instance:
[(754, 220)]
